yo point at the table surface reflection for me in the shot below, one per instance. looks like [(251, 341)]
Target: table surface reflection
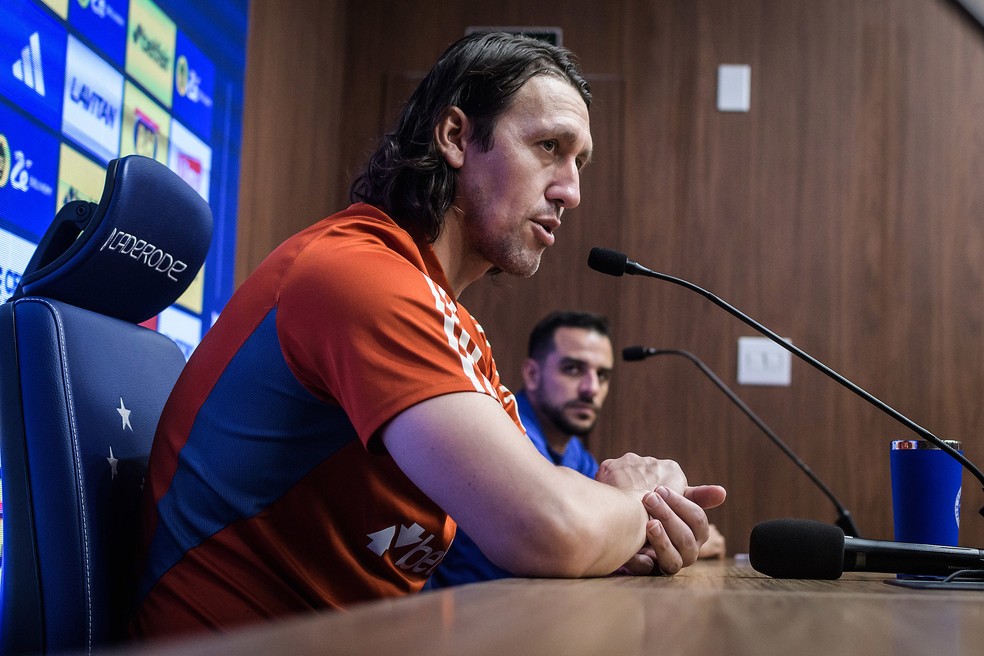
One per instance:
[(710, 608)]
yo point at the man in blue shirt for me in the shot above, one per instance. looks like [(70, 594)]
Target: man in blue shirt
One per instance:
[(565, 382)]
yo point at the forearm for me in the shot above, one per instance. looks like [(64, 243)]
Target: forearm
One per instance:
[(584, 528), (526, 514)]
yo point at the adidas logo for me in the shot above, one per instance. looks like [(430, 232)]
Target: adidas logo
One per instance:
[(27, 69), (422, 559)]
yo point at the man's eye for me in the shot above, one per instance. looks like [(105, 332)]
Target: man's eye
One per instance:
[(550, 145)]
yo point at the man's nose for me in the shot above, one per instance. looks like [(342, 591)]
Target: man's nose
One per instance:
[(589, 385), (565, 190)]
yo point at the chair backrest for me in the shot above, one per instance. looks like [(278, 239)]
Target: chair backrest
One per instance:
[(81, 389)]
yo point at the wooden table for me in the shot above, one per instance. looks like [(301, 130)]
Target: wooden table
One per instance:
[(711, 608)]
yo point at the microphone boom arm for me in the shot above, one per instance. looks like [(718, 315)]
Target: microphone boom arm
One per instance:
[(844, 519), (634, 268)]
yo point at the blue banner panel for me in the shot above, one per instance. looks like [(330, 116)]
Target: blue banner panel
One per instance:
[(28, 172), (194, 88), (32, 60), (103, 22)]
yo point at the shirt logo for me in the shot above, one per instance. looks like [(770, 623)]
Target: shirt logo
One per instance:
[(421, 559)]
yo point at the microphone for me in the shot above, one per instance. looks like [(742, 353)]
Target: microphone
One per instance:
[(844, 519), (807, 549), (614, 263)]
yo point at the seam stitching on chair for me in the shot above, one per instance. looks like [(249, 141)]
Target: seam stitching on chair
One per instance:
[(78, 476)]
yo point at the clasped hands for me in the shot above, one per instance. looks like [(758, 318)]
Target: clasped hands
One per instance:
[(677, 526)]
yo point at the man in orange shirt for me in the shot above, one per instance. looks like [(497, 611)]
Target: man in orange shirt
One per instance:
[(344, 407)]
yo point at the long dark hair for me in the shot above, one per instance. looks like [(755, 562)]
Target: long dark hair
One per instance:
[(407, 176)]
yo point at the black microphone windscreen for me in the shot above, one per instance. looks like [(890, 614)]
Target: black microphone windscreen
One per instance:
[(633, 353), (797, 549), (607, 261)]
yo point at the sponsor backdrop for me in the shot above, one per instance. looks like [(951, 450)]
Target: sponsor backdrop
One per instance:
[(86, 81)]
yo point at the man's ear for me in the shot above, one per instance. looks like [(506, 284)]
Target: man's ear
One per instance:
[(451, 135), (531, 374)]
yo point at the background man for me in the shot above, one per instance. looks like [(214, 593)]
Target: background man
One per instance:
[(566, 378)]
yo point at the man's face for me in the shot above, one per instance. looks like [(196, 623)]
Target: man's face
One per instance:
[(570, 385), (512, 196)]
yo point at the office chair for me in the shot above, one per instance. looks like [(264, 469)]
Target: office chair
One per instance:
[(82, 386)]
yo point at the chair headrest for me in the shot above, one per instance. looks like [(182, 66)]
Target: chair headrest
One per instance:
[(130, 256)]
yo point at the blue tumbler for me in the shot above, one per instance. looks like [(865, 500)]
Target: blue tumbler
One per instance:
[(926, 483)]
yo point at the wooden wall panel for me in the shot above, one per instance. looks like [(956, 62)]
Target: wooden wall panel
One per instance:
[(842, 211), (291, 122), (831, 212)]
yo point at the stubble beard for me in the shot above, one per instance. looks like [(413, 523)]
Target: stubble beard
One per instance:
[(558, 417), (507, 252)]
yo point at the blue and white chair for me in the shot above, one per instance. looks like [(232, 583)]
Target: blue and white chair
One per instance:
[(82, 386)]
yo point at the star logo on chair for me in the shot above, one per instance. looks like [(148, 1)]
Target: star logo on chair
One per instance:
[(124, 414), (113, 462)]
